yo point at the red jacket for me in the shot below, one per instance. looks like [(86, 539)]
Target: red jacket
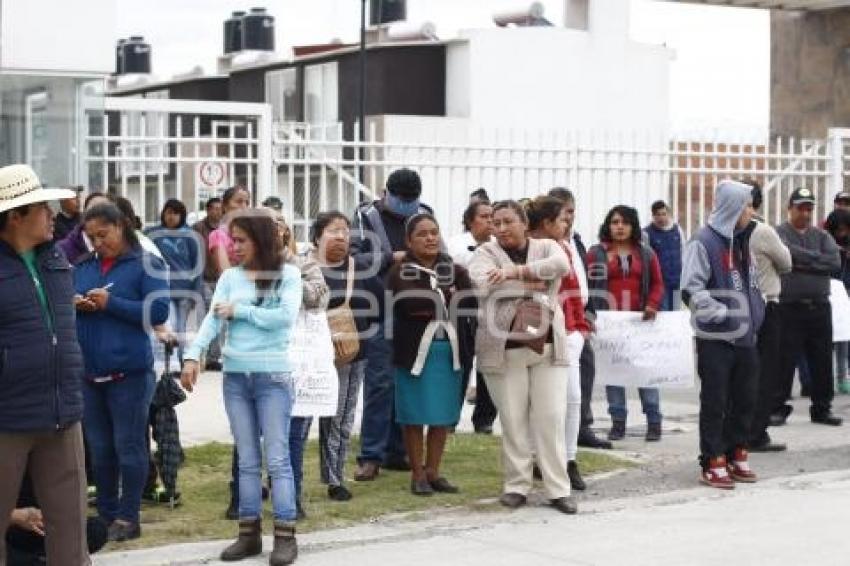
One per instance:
[(570, 294), (625, 290)]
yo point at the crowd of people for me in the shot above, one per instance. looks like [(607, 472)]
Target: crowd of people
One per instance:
[(502, 314)]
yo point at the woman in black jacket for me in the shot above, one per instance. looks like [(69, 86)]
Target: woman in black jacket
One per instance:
[(431, 343)]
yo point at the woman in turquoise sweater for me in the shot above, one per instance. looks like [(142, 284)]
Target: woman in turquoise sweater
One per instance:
[(258, 301)]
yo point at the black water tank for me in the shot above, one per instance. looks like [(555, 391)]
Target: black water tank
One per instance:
[(119, 57), (386, 11), (137, 55), (258, 30), (233, 33)]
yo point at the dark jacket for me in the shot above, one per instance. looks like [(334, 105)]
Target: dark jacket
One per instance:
[(74, 246), (40, 370), (668, 245), (816, 257), (375, 230), (116, 339), (181, 252), (412, 314), (204, 228), (63, 225)]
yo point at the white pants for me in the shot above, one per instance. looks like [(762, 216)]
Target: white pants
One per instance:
[(530, 398), (575, 344)]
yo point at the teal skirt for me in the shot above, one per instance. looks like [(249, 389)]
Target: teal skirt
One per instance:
[(433, 397)]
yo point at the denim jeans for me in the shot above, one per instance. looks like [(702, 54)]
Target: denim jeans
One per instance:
[(841, 357), (258, 406), (649, 399), (380, 436), (299, 432), (214, 349), (116, 422), (180, 310), (670, 301)]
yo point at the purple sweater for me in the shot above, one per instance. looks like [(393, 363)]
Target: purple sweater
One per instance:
[(74, 246)]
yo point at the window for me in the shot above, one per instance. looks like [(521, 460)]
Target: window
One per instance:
[(321, 94), (282, 94)]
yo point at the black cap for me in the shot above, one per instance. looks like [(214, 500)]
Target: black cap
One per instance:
[(802, 196), (842, 197), (274, 203), (405, 184)]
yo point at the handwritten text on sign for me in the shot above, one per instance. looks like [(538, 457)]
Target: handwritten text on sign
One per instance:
[(633, 352), (312, 355)]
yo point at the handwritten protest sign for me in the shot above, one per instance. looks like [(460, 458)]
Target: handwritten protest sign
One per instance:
[(633, 352), (312, 355), (840, 303)]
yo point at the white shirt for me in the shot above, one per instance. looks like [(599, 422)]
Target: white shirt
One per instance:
[(458, 247), (578, 267)]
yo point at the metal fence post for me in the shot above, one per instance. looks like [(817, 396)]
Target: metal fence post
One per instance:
[(835, 140), (265, 163)]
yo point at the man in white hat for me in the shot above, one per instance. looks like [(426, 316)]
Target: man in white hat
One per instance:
[(41, 368)]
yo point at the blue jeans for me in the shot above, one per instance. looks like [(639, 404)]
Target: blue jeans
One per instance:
[(649, 399), (380, 436), (670, 300), (116, 423), (180, 309), (299, 432), (258, 406)]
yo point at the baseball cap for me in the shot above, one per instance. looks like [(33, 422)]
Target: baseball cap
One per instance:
[(802, 196)]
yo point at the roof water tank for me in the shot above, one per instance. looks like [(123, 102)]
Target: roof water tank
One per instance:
[(387, 11), (233, 33), (137, 56), (258, 30)]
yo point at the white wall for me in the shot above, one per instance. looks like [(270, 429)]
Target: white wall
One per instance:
[(58, 35)]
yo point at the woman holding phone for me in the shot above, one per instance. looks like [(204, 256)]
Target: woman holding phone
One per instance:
[(122, 292)]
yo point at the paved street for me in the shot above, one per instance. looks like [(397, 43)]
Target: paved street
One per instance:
[(653, 513)]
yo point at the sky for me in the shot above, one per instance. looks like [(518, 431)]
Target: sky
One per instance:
[(719, 77)]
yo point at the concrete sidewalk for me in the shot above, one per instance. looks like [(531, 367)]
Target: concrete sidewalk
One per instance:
[(801, 520)]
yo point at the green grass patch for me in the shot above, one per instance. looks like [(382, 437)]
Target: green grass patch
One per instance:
[(472, 462)]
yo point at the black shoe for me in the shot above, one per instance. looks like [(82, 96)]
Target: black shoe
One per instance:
[(212, 366), (826, 418), (339, 493), (161, 495), (780, 416), (119, 532), (300, 514), (805, 391), (576, 481), (512, 500), (767, 445), (265, 493), (653, 432), (618, 430), (442, 485), (421, 488), (565, 505), (588, 439), (397, 464), (484, 429)]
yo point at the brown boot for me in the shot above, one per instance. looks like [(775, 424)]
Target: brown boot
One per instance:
[(285, 548), (249, 543)]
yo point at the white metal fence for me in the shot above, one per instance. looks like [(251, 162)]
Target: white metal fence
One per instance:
[(151, 150)]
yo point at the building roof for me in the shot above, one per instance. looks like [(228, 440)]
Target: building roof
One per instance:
[(810, 5)]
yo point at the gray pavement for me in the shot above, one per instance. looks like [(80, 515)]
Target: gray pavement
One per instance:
[(653, 513)]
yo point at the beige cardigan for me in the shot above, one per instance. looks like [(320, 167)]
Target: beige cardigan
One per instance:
[(548, 262)]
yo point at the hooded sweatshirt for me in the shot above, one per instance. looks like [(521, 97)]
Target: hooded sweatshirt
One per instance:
[(719, 279)]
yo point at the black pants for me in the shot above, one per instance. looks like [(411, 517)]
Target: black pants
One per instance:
[(729, 376), (485, 410), (807, 330), (587, 371), (769, 370), (24, 548)]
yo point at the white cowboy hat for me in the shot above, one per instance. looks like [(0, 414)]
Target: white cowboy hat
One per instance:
[(19, 185)]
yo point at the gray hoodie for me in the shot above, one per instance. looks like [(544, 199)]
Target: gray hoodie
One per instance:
[(709, 269)]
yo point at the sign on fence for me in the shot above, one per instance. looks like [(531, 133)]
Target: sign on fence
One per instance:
[(633, 352), (312, 356), (840, 311)]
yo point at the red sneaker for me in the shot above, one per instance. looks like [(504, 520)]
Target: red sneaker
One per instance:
[(716, 474), (739, 468)]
